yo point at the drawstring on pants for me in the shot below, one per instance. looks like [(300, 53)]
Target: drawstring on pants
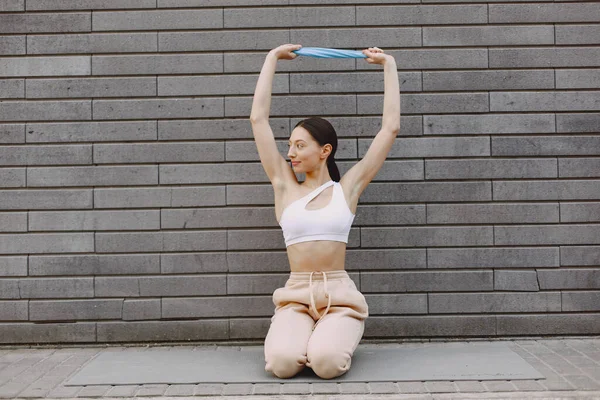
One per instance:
[(312, 298)]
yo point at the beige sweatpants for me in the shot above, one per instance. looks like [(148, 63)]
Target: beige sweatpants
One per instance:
[(318, 323)]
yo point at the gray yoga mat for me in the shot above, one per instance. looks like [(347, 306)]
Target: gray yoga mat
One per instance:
[(472, 361)]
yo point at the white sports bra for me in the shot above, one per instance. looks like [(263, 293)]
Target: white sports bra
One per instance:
[(331, 222)]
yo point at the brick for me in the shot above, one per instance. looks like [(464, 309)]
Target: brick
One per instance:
[(13, 266), (94, 220), (88, 4), (152, 331), (12, 88), (160, 197), (579, 255), (545, 145), (488, 124), (255, 284), (129, 264), (212, 3), (488, 80), (557, 12), (255, 328), (216, 85), (288, 17), (428, 103), (204, 285), (45, 110), (421, 15), (431, 326), (12, 5), (163, 241), (514, 280), (491, 168), (491, 214), (578, 167), (212, 173), (250, 194), (544, 57), (386, 259), (45, 199), (193, 263), (557, 324), (400, 282), (152, 390), (46, 155), (581, 301), (570, 278), (577, 79), (91, 87), (546, 190), (157, 64), (257, 261), (390, 215), (92, 43), (493, 303), (10, 289), (18, 333), (12, 45), (432, 147), (285, 105), (116, 287), (158, 108), (220, 129), (45, 66), (488, 36), (33, 288), (577, 34), (579, 122), (12, 177), (218, 218), (340, 82), (493, 257), (547, 234), (356, 37), (426, 192), (157, 20), (247, 151), (92, 131), (13, 222), (213, 307), (12, 133), (253, 62), (223, 40), (75, 310), (45, 22), (92, 176), (46, 243), (547, 101), (436, 59), (159, 153), (425, 236), (13, 311), (269, 239), (383, 304)]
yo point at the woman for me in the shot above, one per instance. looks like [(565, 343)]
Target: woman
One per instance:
[(318, 324)]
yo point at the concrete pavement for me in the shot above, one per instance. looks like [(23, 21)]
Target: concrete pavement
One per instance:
[(571, 366)]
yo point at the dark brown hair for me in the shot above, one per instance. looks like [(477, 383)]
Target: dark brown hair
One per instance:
[(323, 132)]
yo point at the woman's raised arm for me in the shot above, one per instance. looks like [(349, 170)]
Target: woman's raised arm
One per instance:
[(274, 164)]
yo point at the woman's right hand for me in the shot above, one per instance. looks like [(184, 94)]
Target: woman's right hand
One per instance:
[(284, 52)]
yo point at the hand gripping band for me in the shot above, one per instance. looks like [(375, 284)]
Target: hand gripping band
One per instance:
[(321, 52)]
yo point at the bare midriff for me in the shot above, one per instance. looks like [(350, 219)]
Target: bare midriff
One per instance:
[(317, 255)]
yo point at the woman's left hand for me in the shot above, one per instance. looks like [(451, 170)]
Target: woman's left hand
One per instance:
[(375, 55)]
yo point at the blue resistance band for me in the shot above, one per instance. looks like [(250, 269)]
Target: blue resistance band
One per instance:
[(321, 52)]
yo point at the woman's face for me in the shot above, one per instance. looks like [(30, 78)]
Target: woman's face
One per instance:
[(304, 151)]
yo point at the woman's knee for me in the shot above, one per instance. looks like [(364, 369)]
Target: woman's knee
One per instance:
[(328, 365), (284, 364)]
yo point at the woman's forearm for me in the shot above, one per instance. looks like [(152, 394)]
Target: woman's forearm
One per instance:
[(261, 104), (391, 96)]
